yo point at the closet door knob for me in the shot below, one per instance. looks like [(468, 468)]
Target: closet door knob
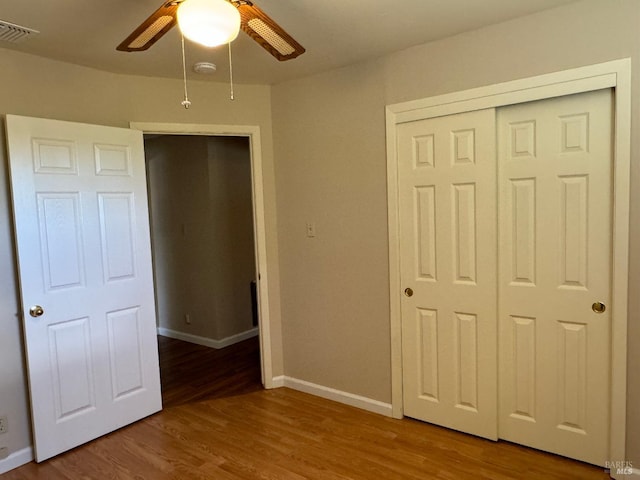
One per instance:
[(598, 307), (408, 292)]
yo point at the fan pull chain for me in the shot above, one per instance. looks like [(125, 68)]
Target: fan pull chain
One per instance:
[(185, 103), (231, 73)]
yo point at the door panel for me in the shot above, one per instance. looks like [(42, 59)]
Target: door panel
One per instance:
[(555, 163), (82, 235), (447, 189), (550, 237)]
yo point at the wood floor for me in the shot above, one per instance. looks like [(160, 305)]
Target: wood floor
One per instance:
[(191, 373), (218, 425)]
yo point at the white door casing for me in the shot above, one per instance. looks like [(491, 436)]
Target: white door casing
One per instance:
[(554, 163), (613, 74), (82, 237), (447, 188)]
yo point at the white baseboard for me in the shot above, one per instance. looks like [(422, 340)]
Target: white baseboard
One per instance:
[(277, 382), (208, 342), (16, 459), (347, 398)]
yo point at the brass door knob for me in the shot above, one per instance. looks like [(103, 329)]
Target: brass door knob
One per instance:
[(36, 311), (408, 292), (598, 307)]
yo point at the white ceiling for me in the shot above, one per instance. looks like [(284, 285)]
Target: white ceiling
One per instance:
[(334, 32)]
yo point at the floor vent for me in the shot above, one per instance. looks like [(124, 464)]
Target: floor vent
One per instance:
[(15, 33)]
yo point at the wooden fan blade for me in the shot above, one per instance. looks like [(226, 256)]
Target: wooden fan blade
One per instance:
[(259, 26), (150, 31)]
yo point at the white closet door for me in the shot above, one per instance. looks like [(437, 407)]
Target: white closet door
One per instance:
[(447, 185), (555, 164), (82, 235)]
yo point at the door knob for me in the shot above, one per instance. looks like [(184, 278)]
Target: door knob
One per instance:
[(408, 292), (598, 307), (36, 311)]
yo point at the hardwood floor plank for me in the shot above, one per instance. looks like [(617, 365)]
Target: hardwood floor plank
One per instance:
[(192, 372), (218, 423)]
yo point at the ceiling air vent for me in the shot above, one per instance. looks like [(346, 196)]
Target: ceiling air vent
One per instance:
[(14, 33)]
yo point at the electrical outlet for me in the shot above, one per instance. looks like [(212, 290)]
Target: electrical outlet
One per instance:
[(4, 452), (187, 319), (4, 424)]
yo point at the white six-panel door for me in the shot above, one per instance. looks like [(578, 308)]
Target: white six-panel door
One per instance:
[(502, 311), (82, 236), (555, 164), (447, 201)]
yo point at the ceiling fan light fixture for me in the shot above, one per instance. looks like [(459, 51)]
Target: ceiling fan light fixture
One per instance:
[(271, 37), (151, 31), (209, 22)]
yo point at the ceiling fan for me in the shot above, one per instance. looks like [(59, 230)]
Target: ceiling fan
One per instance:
[(253, 21)]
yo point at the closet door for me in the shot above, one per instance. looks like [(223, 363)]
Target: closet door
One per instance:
[(555, 164), (447, 185)]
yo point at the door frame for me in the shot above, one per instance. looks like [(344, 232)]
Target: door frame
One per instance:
[(259, 221), (614, 74)]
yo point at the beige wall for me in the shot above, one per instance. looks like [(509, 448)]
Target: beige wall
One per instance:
[(178, 174), (329, 133), (233, 257), (202, 233), (38, 87)]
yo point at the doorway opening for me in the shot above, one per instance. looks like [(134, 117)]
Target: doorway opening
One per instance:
[(205, 274)]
